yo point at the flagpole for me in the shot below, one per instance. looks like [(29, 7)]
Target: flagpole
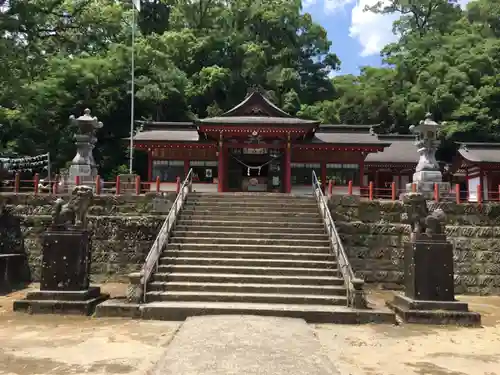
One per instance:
[(132, 98)]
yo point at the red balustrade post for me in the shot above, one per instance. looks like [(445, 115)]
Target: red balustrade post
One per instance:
[(457, 193), (36, 181), (393, 191), (413, 188), (436, 192), (117, 185), (77, 180), (349, 188), (479, 194), (157, 184), (178, 185), (17, 182), (330, 188), (137, 185), (98, 185), (499, 192), (370, 191)]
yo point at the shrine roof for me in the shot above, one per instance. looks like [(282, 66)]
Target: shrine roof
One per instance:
[(255, 109), (401, 150), (347, 134), (255, 120), (477, 152), (256, 103), (175, 135)]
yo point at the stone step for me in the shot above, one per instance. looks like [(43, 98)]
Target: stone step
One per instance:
[(236, 217), (327, 290), (250, 196), (245, 297), (264, 208), (179, 311), (290, 271), (238, 247), (255, 262), (236, 221), (184, 232), (287, 215), (249, 205), (242, 278), (242, 240), (248, 255), (265, 232)]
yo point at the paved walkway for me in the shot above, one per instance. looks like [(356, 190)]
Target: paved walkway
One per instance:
[(244, 345)]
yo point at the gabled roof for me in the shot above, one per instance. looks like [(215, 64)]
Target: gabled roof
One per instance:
[(256, 109), (402, 150), (480, 152), (256, 104)]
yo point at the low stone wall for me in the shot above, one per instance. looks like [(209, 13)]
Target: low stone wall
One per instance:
[(373, 236), (123, 227)]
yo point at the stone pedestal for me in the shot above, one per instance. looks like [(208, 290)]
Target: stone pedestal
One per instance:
[(424, 182), (429, 285), (64, 285)]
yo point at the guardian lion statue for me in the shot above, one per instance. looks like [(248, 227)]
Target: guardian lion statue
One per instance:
[(417, 215), (73, 213)]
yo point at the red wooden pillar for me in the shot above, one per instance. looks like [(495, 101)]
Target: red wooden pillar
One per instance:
[(287, 181), (361, 173), (323, 176), (221, 167), (150, 165)]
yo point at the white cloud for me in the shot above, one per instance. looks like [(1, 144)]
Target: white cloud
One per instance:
[(372, 31)]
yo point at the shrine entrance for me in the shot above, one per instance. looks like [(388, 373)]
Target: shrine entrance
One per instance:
[(255, 170)]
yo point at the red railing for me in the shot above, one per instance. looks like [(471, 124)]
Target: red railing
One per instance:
[(38, 186)]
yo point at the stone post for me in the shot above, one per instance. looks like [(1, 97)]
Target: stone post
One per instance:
[(427, 173), (66, 261), (83, 164), (428, 270)]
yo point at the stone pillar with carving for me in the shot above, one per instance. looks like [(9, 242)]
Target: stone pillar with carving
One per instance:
[(66, 262), (427, 173), (83, 164), (428, 270)]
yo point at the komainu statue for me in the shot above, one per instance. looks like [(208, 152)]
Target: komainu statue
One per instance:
[(73, 213), (417, 215)]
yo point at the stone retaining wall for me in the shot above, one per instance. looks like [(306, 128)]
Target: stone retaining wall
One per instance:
[(373, 236), (124, 228)]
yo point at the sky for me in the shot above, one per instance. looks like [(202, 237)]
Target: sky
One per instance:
[(357, 36)]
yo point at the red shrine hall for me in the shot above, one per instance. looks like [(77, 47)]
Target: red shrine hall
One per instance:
[(256, 146)]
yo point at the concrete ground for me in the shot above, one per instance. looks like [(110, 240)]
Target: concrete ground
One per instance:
[(56, 345)]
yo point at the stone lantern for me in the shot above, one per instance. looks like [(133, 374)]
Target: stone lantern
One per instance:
[(83, 164), (427, 173)]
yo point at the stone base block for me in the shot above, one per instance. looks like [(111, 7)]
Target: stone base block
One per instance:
[(427, 188), (61, 302), (434, 312)]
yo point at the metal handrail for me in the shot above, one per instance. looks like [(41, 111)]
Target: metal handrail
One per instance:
[(161, 239), (353, 284)]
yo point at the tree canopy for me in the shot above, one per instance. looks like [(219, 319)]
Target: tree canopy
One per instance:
[(198, 58)]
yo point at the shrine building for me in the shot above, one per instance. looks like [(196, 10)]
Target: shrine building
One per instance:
[(256, 146)]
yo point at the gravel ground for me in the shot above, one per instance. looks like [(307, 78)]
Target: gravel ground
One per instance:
[(57, 345)]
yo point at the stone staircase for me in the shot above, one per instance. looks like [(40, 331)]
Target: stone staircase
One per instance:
[(243, 253)]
